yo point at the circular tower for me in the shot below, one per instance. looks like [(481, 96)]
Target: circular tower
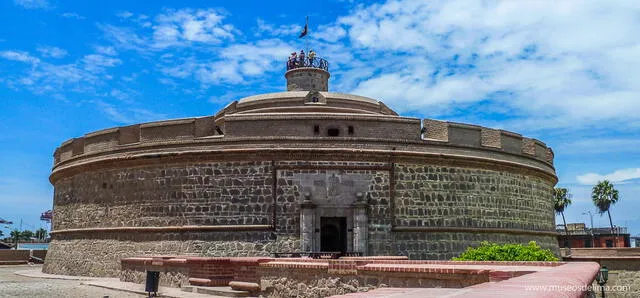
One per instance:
[(301, 170), (307, 74)]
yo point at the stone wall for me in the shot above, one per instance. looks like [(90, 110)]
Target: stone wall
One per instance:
[(420, 211), (437, 196), (99, 254), (226, 193), (333, 188), (623, 264), (429, 200), (624, 278), (446, 245), (348, 126), (306, 78), (12, 256), (309, 283)]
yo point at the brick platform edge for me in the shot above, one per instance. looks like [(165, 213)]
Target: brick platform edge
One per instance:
[(566, 280), (286, 277)]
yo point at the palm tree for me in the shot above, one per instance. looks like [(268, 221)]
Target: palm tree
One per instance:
[(15, 236), (562, 199), (41, 234), (26, 235), (604, 195)]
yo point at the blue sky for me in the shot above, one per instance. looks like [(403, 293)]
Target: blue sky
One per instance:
[(564, 72)]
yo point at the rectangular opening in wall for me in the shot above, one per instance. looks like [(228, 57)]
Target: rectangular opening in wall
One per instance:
[(333, 132), (333, 234)]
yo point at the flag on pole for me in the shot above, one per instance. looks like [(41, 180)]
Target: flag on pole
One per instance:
[(305, 30)]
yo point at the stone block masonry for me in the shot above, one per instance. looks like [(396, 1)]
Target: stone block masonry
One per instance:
[(295, 171), (231, 193), (228, 209), (623, 264)]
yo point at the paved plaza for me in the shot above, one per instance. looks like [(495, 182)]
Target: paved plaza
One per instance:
[(29, 281), (13, 285)]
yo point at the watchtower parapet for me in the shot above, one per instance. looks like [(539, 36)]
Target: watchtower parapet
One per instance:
[(174, 131), (307, 74), (466, 135)]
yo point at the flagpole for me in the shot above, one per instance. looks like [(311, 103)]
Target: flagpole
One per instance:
[(306, 37)]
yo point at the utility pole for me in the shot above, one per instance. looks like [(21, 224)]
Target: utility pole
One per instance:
[(591, 228)]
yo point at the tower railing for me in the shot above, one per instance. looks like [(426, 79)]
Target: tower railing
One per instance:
[(315, 62)]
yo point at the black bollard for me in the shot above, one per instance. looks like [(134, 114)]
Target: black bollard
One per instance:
[(151, 285)]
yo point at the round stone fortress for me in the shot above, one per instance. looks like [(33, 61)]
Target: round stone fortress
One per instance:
[(297, 171)]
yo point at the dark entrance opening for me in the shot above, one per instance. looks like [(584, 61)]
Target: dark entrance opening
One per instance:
[(609, 243), (333, 234)]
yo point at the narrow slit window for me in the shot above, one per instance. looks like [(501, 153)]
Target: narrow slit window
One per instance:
[(316, 129), (350, 130)]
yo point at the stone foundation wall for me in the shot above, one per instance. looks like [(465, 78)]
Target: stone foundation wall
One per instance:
[(623, 265), (441, 196), (308, 278), (99, 255), (12, 255), (446, 245), (309, 283), (398, 197), (431, 202), (224, 193), (621, 284), (387, 276)]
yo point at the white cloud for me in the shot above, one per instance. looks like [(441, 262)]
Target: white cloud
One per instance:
[(287, 31), (33, 4), (81, 76), (125, 38), (234, 64), (52, 52), (219, 72), (617, 176), (330, 33), (97, 63), (72, 15), (181, 27), (172, 28), (124, 14), (563, 64), (109, 51), (19, 56)]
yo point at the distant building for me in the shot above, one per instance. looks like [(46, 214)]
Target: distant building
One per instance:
[(34, 245), (635, 241), (581, 236)]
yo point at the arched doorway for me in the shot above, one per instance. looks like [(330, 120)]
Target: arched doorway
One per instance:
[(333, 234)]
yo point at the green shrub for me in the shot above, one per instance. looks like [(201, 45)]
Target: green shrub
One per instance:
[(488, 251)]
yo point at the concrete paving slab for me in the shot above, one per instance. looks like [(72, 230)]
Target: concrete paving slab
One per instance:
[(31, 274)]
